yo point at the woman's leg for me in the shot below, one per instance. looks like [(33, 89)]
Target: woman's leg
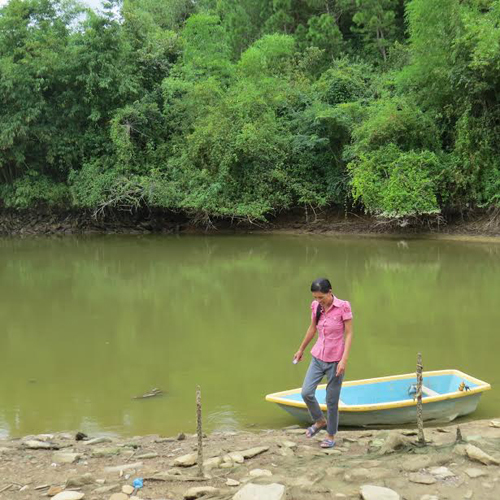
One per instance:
[(312, 379), (332, 399)]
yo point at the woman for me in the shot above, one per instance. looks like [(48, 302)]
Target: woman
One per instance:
[(332, 318)]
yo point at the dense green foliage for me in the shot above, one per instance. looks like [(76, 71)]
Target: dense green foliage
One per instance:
[(244, 108)]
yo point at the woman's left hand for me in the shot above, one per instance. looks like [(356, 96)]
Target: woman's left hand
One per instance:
[(341, 367)]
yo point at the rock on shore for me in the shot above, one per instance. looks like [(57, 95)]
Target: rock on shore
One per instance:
[(264, 465)]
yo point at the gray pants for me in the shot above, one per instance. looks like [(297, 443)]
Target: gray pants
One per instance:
[(316, 371)]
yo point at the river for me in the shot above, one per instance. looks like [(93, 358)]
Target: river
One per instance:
[(87, 323)]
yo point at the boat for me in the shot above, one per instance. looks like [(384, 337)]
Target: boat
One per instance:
[(391, 400)]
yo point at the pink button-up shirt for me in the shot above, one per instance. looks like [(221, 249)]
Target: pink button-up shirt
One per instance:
[(330, 344)]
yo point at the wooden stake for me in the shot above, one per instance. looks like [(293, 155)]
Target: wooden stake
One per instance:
[(420, 420), (200, 432)]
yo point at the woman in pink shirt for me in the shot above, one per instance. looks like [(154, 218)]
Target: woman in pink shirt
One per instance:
[(332, 318)]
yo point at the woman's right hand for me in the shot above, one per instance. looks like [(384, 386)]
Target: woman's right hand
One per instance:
[(298, 356)]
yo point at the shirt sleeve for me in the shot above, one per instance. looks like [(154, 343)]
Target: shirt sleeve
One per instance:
[(346, 311), (314, 305)]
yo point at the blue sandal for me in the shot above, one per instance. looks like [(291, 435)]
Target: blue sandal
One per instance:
[(312, 431), (327, 443)]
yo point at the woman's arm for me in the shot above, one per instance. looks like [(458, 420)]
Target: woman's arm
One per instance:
[(348, 340), (311, 331)]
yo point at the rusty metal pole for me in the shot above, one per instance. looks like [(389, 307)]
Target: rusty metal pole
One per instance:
[(200, 432), (420, 420)]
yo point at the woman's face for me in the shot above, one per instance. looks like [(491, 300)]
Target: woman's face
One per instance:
[(323, 298)]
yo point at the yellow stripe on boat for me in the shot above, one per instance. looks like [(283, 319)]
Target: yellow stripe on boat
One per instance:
[(277, 397)]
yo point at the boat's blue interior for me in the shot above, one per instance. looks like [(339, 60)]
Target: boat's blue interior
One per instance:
[(390, 390)]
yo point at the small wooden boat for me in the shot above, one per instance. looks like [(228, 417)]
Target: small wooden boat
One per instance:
[(446, 395)]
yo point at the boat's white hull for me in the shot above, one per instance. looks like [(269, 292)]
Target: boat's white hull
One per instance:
[(446, 395), (441, 411)]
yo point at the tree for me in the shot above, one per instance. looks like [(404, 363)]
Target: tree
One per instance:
[(375, 21)]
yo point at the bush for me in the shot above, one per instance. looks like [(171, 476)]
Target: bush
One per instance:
[(395, 183), (399, 122), (344, 82), (33, 189)]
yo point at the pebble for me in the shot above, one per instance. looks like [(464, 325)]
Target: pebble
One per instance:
[(474, 473), (416, 477), (105, 452), (296, 431), (199, 491), (69, 495), (45, 437), (441, 472), (118, 496), (250, 491), (212, 462), (370, 492), (235, 457), (260, 473), (328, 451), (232, 482), (37, 445), (394, 441), (127, 489), (475, 453), (253, 452), (376, 443), (54, 490), (146, 456), (78, 481), (98, 440), (186, 460)]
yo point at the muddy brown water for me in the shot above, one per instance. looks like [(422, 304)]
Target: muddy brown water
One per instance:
[(87, 323)]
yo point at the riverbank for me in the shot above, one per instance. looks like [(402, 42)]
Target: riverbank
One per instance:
[(475, 225), (270, 465)]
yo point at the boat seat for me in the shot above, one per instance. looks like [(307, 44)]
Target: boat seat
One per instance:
[(429, 392)]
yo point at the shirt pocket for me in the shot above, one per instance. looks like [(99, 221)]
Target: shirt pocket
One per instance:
[(337, 320)]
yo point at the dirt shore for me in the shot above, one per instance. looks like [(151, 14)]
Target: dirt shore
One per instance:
[(241, 464), (475, 225)]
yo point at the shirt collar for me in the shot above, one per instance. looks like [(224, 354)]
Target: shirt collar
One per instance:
[(336, 302)]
